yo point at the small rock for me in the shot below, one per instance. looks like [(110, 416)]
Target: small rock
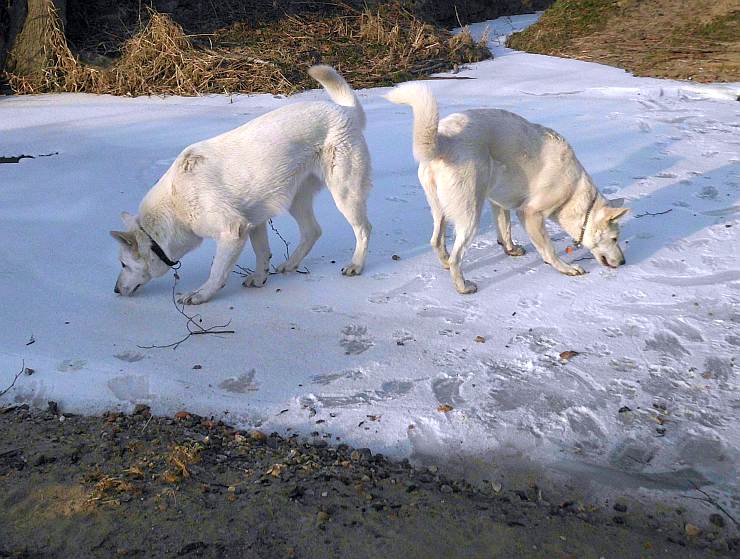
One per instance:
[(445, 488), (197, 367), (52, 407), (691, 530), (444, 408), (480, 339), (257, 435), (717, 520), (496, 486), (142, 410), (322, 517), (624, 409), (620, 507)]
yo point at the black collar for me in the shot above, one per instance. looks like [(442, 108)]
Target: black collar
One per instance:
[(579, 242), (156, 249)]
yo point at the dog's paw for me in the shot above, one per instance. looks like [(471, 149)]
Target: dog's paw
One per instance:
[(193, 298), (352, 270), (574, 270), (286, 267), (468, 288), (517, 250), (255, 280)]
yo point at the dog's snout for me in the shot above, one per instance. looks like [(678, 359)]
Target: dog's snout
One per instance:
[(116, 290)]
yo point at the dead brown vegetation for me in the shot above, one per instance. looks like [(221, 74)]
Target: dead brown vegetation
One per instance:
[(370, 47)]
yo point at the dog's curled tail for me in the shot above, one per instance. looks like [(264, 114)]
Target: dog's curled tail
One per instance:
[(426, 117), (338, 89)]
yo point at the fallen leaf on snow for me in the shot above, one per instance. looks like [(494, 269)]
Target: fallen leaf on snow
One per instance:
[(444, 408), (566, 356)]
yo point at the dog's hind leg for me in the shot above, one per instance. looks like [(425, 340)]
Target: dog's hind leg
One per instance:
[(261, 246), (534, 223), (438, 234), (464, 233), (229, 246), (503, 222), (349, 185), (302, 211)]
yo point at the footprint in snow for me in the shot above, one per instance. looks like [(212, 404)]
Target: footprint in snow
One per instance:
[(708, 193), (69, 365), (403, 336), (447, 390), (129, 356), (667, 344), (355, 340), (241, 384), (322, 308), (333, 377)]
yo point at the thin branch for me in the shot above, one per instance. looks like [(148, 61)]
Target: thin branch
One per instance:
[(287, 250), (638, 216), (193, 324), (15, 378), (707, 498)]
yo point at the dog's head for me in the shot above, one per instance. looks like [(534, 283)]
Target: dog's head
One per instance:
[(138, 263), (602, 233)]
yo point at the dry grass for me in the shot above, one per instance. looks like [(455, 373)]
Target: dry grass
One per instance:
[(109, 488), (180, 458), (370, 48), (684, 39)]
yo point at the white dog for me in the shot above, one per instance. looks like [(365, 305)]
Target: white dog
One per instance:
[(493, 154), (227, 187)]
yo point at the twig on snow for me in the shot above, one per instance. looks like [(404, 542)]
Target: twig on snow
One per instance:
[(707, 498), (638, 216), (243, 271), (193, 324), (15, 378)]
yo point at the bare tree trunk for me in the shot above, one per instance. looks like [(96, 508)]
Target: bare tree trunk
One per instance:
[(25, 50)]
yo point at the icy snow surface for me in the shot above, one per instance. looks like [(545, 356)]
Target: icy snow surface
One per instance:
[(322, 352)]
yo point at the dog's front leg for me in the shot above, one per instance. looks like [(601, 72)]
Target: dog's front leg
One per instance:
[(228, 248), (261, 246), (534, 223), (503, 221)]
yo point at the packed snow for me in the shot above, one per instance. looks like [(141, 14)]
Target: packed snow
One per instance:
[(649, 403)]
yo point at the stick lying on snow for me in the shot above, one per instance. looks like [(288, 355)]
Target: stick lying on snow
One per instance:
[(192, 324), (15, 378)]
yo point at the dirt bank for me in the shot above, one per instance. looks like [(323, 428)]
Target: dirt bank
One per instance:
[(143, 486), (683, 39)]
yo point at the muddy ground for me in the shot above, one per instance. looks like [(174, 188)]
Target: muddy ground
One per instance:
[(144, 486)]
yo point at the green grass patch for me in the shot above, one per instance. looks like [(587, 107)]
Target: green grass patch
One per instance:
[(563, 22)]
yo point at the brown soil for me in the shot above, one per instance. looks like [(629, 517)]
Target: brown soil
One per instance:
[(683, 39), (143, 486)]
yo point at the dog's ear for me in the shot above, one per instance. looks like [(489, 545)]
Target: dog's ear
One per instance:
[(613, 214), (126, 239), (615, 203), (129, 220)]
